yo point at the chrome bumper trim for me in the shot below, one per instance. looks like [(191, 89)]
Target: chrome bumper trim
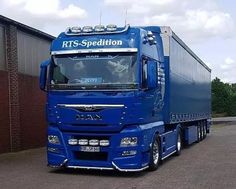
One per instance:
[(129, 170), (86, 167), (97, 168)]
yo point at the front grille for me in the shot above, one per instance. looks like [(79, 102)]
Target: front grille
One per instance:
[(92, 156)]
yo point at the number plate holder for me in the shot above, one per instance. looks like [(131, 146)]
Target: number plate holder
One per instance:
[(90, 149)]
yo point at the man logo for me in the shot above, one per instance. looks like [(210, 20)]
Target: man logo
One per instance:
[(91, 117)]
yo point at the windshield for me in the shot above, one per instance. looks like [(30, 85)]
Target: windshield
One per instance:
[(94, 71)]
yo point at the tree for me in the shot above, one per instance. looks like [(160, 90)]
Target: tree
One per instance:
[(223, 98), (220, 96)]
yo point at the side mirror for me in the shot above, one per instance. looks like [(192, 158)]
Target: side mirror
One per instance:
[(152, 74), (43, 74)]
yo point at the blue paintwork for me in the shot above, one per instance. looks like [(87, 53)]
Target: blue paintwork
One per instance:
[(175, 99), (191, 134)]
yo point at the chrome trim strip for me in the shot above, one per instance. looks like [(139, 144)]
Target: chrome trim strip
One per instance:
[(92, 105), (99, 33), (171, 147), (77, 51), (85, 167), (64, 162), (58, 166), (129, 170), (98, 168), (167, 133), (168, 155), (151, 125)]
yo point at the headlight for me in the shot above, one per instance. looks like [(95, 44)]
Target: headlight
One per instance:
[(53, 139), (129, 141), (104, 143)]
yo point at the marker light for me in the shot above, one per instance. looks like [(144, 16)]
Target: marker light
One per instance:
[(104, 143), (111, 27), (75, 29), (53, 139), (87, 29), (93, 142), (83, 142), (99, 28), (72, 141)]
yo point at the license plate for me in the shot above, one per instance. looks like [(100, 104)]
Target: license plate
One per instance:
[(90, 148)]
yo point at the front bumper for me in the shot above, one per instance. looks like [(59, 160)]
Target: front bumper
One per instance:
[(115, 167), (65, 155)]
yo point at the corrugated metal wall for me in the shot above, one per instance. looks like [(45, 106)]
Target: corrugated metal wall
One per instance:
[(2, 48), (31, 52), (22, 104)]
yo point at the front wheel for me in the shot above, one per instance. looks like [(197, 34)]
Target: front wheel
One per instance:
[(155, 154)]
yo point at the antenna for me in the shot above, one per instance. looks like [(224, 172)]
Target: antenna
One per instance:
[(100, 18), (126, 16)]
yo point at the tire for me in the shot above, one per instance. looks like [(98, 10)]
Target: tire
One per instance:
[(204, 130), (198, 132), (179, 143), (155, 154)]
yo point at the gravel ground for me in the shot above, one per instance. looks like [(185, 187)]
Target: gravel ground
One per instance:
[(209, 164)]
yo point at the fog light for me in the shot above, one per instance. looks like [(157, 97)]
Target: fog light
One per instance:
[(83, 142), (129, 153), (72, 141), (53, 139), (104, 143), (93, 142)]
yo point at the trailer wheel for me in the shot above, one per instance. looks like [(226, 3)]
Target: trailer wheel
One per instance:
[(204, 129), (179, 143), (198, 133), (155, 154)]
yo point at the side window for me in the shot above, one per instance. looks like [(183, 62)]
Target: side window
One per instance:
[(144, 73)]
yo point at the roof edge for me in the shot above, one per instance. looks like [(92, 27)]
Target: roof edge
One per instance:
[(23, 27)]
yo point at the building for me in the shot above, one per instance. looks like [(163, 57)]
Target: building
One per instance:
[(22, 104)]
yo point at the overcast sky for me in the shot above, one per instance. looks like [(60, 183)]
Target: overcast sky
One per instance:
[(208, 27)]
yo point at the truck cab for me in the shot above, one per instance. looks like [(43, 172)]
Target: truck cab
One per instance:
[(105, 99)]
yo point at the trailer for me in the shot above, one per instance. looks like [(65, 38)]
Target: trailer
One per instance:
[(123, 98)]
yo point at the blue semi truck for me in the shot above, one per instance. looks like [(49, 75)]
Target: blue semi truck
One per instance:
[(123, 98)]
